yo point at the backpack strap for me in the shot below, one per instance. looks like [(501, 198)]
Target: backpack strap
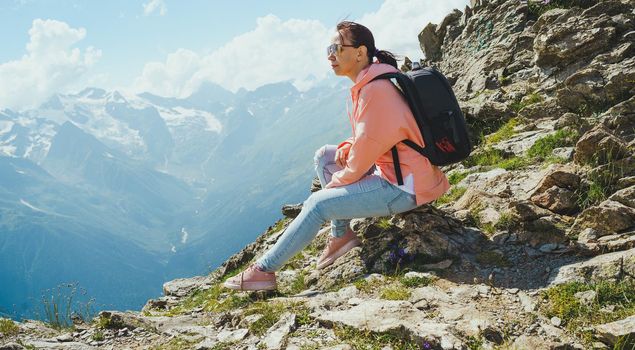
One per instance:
[(395, 162)]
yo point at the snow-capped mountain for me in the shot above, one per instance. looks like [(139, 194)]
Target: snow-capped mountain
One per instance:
[(163, 177)]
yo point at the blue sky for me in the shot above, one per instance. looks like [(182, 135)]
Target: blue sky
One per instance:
[(171, 47)]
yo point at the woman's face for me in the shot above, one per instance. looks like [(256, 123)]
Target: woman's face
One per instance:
[(343, 58)]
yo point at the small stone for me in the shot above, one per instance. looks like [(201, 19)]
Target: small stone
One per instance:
[(65, 338), (513, 290), (586, 297), (556, 321), (354, 301)]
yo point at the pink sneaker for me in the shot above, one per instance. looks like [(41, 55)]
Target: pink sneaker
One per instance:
[(336, 247), (252, 279)]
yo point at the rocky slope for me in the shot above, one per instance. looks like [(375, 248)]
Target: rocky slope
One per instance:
[(533, 247)]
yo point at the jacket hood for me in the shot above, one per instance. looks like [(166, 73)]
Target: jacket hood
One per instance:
[(367, 74)]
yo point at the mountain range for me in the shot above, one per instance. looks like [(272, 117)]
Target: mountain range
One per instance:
[(119, 193)]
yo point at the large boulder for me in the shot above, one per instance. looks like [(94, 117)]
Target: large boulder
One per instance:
[(607, 267), (571, 37), (599, 146)]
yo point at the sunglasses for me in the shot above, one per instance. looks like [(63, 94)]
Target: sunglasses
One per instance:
[(335, 49)]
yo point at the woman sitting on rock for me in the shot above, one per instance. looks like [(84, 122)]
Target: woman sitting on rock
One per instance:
[(357, 176)]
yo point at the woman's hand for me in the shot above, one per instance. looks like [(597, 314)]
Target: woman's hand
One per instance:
[(341, 155)]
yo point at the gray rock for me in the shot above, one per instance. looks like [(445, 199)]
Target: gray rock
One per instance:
[(277, 334), (528, 303), (565, 153), (230, 336), (625, 196), (11, 346), (391, 317), (183, 286), (586, 297), (622, 330), (611, 266), (67, 337), (606, 218), (588, 235), (561, 43), (291, 210), (557, 199), (600, 146)]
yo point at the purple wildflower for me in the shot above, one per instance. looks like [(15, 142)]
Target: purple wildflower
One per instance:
[(427, 345)]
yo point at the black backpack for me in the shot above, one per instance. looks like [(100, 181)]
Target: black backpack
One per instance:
[(437, 114)]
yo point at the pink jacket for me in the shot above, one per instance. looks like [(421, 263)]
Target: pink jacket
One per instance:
[(380, 119)]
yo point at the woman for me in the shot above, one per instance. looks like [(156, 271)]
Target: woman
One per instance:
[(357, 176)]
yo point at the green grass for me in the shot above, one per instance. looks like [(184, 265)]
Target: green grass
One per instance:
[(215, 299), (577, 316), (492, 258), (530, 99), (505, 222), (492, 157), (543, 147), (8, 327), (364, 286), (415, 282), (279, 225), (367, 340), (395, 293), (271, 312), (457, 176), (540, 151), (175, 344), (453, 195), (297, 285), (506, 132)]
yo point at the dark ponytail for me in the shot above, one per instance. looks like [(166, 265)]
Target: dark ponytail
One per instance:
[(360, 35)]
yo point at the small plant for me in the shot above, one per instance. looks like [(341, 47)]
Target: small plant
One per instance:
[(504, 133), (98, 335), (543, 147), (457, 176), (212, 300), (108, 323), (474, 342), (505, 222), (8, 327), (298, 284), (384, 223), (415, 282), (60, 303), (600, 184), (398, 257), (561, 302), (453, 195), (363, 339), (174, 344), (270, 312), (395, 293), (364, 286)]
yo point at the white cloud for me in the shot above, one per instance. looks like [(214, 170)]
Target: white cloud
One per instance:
[(50, 65), (397, 23), (291, 50), (155, 6), (274, 51)]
